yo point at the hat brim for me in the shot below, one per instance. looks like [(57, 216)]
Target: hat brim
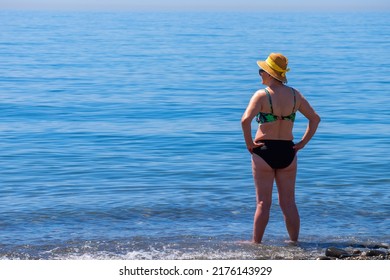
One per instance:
[(263, 65)]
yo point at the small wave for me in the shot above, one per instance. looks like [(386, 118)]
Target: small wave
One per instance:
[(173, 248)]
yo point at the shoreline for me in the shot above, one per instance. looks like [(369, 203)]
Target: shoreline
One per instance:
[(195, 249)]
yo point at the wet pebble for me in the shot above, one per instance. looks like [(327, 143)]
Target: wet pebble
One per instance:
[(333, 253), (374, 253), (336, 253), (356, 252)]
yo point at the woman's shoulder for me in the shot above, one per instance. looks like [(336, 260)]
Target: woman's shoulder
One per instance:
[(259, 94), (299, 98), (295, 90), (260, 91), (297, 93), (258, 97)]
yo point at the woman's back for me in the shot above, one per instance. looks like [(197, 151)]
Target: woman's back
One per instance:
[(277, 113)]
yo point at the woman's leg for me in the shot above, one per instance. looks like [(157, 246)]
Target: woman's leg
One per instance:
[(285, 181), (263, 176)]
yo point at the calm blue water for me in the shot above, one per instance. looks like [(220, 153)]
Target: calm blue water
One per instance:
[(121, 139)]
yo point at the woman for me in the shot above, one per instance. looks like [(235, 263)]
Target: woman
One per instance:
[(273, 152)]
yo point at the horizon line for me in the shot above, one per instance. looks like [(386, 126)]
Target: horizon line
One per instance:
[(243, 10)]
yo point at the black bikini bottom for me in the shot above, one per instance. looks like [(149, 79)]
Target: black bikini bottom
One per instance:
[(277, 153)]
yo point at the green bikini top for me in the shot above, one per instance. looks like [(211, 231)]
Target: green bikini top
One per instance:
[(270, 117)]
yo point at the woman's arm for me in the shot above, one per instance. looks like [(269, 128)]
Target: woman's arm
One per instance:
[(314, 120), (252, 109)]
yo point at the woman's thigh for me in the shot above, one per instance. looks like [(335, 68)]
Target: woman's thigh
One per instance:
[(285, 181), (264, 177)]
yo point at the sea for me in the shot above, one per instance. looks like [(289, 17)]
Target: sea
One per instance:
[(120, 134)]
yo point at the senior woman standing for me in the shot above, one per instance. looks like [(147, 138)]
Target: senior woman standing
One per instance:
[(273, 151)]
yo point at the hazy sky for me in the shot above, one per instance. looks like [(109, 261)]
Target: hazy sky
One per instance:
[(196, 4)]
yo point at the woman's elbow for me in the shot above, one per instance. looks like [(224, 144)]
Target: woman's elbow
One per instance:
[(316, 118), (245, 120)]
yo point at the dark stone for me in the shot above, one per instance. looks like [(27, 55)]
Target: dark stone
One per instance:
[(336, 253), (374, 253), (356, 252)]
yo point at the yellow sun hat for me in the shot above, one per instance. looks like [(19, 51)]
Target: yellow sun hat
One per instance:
[(276, 66)]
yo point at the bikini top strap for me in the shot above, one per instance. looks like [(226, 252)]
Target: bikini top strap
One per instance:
[(270, 100), (295, 99)]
